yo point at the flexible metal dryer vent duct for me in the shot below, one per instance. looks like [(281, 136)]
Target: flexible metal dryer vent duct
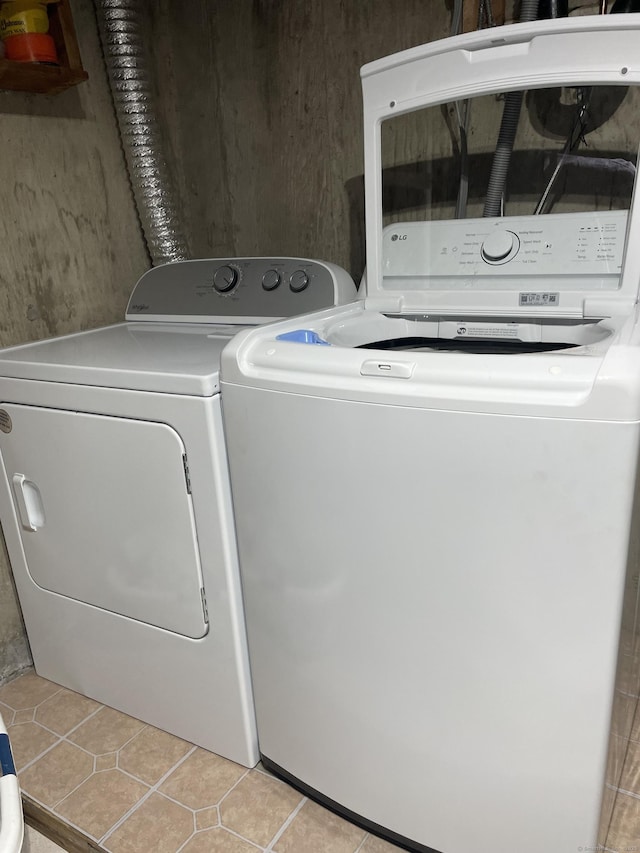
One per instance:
[(507, 135), (122, 34)]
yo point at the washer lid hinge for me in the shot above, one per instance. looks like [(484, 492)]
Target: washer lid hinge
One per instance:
[(187, 478), (597, 307), (204, 605)]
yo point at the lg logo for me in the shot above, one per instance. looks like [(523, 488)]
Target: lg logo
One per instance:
[(395, 237)]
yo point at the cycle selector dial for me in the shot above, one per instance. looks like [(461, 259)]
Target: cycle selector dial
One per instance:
[(225, 278), (500, 247), (298, 281), (271, 279)]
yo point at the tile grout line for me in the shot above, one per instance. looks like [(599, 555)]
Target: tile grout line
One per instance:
[(40, 755), (624, 738), (93, 754), (5, 716), (94, 772), (64, 739), (152, 789), (628, 695), (155, 789), (235, 834), (52, 808), (60, 738), (627, 793), (97, 754), (196, 831), (362, 843), (110, 830), (285, 825), (267, 775), (65, 820), (247, 770), (37, 705)]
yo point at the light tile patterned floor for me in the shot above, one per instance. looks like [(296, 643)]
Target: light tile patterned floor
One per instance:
[(134, 789)]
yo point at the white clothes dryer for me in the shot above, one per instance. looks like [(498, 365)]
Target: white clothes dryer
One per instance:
[(115, 501), (436, 488)]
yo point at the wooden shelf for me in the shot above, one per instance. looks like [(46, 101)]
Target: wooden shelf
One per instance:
[(49, 79), (43, 79)]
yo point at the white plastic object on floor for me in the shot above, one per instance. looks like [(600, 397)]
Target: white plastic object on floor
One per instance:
[(11, 820)]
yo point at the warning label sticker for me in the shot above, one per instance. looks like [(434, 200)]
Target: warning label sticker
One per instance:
[(471, 330)]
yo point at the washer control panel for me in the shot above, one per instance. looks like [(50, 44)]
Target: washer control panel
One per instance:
[(238, 290), (565, 244)]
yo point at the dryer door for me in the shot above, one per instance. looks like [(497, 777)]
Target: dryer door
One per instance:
[(104, 512)]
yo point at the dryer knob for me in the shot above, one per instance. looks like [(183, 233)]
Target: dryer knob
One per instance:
[(271, 279), (225, 278), (299, 281), (499, 246)]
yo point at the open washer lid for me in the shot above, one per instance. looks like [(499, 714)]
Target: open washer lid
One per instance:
[(432, 122)]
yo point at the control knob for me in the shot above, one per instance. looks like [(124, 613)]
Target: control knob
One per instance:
[(271, 279), (298, 281), (225, 278), (500, 246)]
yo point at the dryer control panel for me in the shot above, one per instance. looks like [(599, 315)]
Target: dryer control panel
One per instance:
[(238, 290)]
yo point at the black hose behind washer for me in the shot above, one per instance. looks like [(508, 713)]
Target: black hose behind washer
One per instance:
[(507, 135)]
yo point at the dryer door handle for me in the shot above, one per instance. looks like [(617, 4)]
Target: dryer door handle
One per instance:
[(29, 503)]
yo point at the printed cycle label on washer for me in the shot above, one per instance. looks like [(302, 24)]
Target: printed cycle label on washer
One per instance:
[(5, 421), (540, 298)]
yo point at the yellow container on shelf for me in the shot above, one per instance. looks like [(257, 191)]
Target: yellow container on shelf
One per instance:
[(19, 17)]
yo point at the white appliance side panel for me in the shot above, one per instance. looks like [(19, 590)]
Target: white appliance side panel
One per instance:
[(104, 513), (433, 605)]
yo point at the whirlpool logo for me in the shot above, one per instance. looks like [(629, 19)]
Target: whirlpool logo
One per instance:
[(395, 237)]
